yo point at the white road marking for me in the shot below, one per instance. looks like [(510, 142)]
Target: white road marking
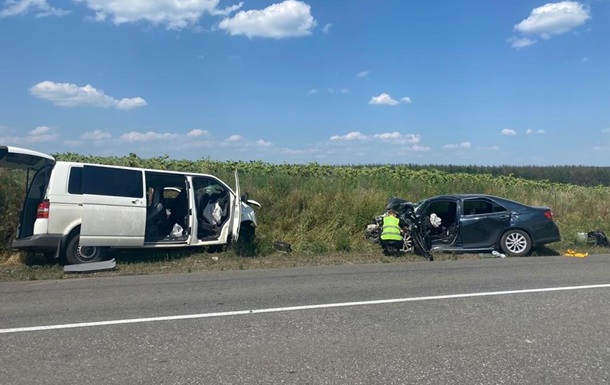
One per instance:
[(294, 308)]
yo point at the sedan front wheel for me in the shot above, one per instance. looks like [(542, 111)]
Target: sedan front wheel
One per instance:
[(516, 243)]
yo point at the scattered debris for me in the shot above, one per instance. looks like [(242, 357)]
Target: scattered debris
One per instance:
[(493, 254), (90, 267), (597, 238), (282, 247), (576, 254)]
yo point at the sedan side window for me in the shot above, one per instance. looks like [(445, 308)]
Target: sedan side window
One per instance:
[(477, 207)]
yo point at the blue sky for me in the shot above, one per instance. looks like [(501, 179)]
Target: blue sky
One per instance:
[(341, 82)]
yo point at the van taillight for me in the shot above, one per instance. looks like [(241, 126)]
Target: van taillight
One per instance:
[(43, 210), (549, 214)]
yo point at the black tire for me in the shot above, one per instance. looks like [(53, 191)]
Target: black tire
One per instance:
[(245, 245), (76, 254), (421, 247), (516, 243)]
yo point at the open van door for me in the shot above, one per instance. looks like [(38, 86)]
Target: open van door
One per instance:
[(40, 164), (236, 211), (114, 207), (15, 157)]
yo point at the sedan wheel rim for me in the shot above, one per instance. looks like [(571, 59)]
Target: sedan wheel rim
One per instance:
[(516, 243)]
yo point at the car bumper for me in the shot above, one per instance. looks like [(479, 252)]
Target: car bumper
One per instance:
[(547, 234), (42, 242)]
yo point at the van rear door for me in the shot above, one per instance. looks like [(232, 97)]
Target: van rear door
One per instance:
[(114, 207), (15, 157)]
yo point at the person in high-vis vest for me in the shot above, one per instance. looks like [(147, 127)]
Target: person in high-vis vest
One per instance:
[(392, 233)]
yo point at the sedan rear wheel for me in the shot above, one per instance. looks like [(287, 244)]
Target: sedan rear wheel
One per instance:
[(516, 243)]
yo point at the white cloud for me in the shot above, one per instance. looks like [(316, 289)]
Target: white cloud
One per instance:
[(383, 99), (460, 146), (38, 7), (508, 132), (197, 132), (312, 91), (397, 137), (488, 148), (362, 74), (521, 42), (290, 18), (40, 130), (419, 148), (391, 137), (327, 27), (263, 143), (554, 19), (354, 135), (70, 95), (146, 136), (235, 138), (228, 10), (96, 135), (41, 134), (530, 131), (344, 91), (386, 99), (174, 14)]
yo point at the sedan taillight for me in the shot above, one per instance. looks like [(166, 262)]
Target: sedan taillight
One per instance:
[(43, 210), (549, 214)]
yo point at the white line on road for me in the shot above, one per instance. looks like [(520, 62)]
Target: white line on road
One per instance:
[(294, 308)]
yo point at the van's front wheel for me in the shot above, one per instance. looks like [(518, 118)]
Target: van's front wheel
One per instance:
[(77, 254), (245, 245)]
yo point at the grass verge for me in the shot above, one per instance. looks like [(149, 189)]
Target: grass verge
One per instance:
[(143, 262)]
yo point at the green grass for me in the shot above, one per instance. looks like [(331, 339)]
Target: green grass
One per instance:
[(323, 210)]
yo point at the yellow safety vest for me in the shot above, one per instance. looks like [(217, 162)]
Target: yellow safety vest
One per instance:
[(390, 230)]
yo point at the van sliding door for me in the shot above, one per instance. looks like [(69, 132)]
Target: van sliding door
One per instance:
[(114, 207)]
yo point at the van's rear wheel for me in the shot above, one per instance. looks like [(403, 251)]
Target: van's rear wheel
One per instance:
[(76, 254)]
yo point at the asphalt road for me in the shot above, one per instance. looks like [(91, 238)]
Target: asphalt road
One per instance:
[(455, 322)]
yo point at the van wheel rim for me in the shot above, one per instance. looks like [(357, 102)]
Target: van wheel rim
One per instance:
[(87, 253)]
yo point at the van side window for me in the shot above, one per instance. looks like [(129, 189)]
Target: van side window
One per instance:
[(113, 182), (75, 181)]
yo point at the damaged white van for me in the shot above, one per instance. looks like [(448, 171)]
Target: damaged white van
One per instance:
[(76, 212)]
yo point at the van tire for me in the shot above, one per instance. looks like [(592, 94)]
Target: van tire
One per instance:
[(245, 245), (76, 254)]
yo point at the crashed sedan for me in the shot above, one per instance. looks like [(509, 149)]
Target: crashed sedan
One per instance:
[(476, 222)]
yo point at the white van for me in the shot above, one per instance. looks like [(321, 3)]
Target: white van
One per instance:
[(77, 211)]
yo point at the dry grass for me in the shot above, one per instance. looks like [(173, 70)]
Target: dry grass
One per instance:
[(145, 263)]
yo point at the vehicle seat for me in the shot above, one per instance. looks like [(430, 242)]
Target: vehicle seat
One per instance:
[(153, 211), (180, 209)]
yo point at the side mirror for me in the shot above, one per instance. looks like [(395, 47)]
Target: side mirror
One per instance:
[(248, 201)]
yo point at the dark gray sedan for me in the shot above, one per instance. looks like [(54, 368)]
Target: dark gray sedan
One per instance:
[(475, 222)]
